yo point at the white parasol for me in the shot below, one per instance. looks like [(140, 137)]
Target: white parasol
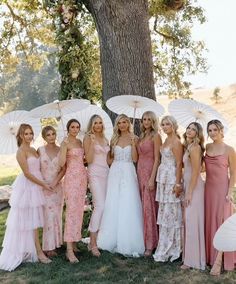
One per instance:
[(59, 108), (9, 125), (225, 237), (83, 117), (134, 106), (186, 111)]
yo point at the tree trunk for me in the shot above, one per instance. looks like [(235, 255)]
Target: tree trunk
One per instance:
[(125, 47)]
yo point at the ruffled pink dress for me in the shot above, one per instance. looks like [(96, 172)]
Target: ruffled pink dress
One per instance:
[(149, 204), (52, 230), (75, 187), (217, 208), (25, 215)]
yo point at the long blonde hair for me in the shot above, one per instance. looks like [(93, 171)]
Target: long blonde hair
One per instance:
[(199, 139), (154, 127), (173, 123), (91, 125), (116, 132)]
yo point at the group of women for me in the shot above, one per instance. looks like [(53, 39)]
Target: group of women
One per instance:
[(163, 208)]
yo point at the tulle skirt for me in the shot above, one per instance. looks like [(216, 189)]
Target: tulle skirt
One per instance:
[(25, 215)]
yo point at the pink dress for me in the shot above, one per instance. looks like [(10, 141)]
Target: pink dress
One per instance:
[(25, 215), (194, 255), (97, 173), (75, 187), (217, 209), (52, 230), (149, 204)]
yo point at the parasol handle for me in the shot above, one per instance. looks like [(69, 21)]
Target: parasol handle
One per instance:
[(60, 112), (134, 116)]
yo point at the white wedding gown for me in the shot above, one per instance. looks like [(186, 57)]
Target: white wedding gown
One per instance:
[(121, 227)]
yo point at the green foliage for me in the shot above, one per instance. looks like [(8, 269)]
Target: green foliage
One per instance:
[(175, 53), (26, 88)]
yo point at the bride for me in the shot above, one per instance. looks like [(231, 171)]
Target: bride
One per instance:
[(122, 226)]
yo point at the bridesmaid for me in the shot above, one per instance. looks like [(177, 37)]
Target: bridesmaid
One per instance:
[(220, 180), (21, 240), (194, 255), (96, 148), (49, 165), (149, 159), (75, 186), (169, 193)]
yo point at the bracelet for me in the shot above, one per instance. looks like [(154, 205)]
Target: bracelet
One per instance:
[(178, 185)]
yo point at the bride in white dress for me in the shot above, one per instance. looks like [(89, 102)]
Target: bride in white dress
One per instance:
[(122, 222)]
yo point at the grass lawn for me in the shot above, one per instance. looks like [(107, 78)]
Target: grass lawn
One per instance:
[(8, 175), (109, 268)]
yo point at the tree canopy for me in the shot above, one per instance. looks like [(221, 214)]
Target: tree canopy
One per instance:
[(32, 30)]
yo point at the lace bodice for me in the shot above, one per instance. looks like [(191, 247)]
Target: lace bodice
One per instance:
[(123, 154)]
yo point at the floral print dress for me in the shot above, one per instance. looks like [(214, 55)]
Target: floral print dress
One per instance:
[(169, 216)]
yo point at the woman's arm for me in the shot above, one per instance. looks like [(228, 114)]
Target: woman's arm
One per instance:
[(62, 154), (157, 145), (178, 153), (232, 170), (22, 160), (58, 177), (134, 152), (195, 159), (88, 144)]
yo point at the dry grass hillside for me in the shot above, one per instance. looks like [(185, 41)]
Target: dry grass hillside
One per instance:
[(226, 106)]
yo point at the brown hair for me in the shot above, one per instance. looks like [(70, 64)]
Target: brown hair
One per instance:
[(70, 122), (21, 132), (218, 125), (46, 129), (199, 139)]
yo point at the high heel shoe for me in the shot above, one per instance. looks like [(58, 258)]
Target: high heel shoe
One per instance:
[(216, 268), (94, 250), (71, 256), (43, 259)]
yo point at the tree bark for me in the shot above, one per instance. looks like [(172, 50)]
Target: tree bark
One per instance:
[(125, 47)]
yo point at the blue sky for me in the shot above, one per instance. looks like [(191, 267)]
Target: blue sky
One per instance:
[(220, 38)]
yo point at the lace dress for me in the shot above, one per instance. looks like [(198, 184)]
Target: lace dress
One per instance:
[(169, 216), (122, 222)]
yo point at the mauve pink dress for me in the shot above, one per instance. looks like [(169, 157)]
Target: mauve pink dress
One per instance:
[(217, 209), (97, 174), (149, 204), (75, 187), (194, 255)]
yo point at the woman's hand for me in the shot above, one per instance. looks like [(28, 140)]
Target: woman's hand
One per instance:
[(48, 187), (151, 184), (177, 190), (229, 197), (188, 198)]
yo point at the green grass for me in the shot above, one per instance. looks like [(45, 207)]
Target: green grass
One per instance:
[(109, 268), (8, 175)]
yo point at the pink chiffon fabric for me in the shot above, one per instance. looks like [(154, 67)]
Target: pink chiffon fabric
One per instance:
[(75, 187), (149, 204), (194, 255), (97, 174), (217, 208), (52, 230), (25, 215)]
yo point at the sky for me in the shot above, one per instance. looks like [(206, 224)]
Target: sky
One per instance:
[(220, 39)]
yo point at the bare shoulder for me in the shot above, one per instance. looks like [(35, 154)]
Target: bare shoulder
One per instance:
[(86, 138), (208, 146), (177, 143), (195, 149), (230, 150)]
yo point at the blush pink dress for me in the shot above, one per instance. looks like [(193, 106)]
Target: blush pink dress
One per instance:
[(26, 215), (97, 174), (52, 230), (194, 255), (217, 209), (149, 204), (75, 187)]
